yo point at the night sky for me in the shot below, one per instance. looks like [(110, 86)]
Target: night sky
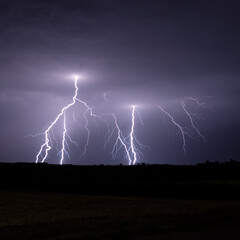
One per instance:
[(146, 53)]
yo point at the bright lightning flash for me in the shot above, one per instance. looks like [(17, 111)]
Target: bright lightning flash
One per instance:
[(132, 138), (122, 140), (63, 139), (45, 147), (130, 143)]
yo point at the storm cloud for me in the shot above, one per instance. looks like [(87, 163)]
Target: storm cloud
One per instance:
[(139, 52)]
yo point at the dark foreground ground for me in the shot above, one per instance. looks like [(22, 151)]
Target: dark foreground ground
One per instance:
[(118, 202), (68, 216)]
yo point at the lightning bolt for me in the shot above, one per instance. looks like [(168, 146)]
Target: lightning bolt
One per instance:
[(130, 143), (132, 137), (46, 144), (183, 133), (94, 116), (63, 139), (33, 135), (122, 140), (193, 122), (198, 101)]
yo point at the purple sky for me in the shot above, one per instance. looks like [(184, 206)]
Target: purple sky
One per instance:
[(147, 53)]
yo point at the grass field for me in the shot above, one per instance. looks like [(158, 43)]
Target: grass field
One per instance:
[(26, 215)]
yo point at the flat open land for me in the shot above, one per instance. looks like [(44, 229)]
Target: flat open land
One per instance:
[(26, 215), (119, 202)]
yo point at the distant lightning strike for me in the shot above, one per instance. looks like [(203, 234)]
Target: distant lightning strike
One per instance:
[(183, 133), (86, 128), (193, 123), (47, 145), (63, 150), (132, 137), (130, 143), (90, 110), (47, 132), (122, 140)]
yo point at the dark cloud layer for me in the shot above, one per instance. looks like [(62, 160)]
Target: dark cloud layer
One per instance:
[(138, 51)]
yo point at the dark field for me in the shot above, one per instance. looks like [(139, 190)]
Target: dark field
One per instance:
[(142, 202), (61, 216)]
